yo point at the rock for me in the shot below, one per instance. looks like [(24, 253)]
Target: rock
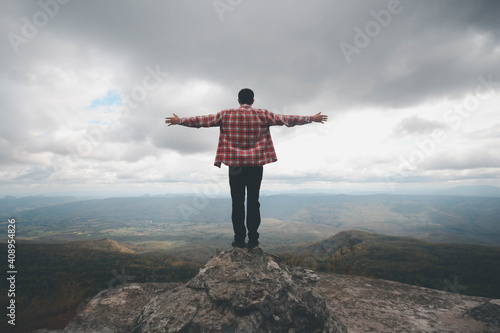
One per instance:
[(241, 291), (237, 291), (250, 291), (488, 312), (372, 305), (114, 310)]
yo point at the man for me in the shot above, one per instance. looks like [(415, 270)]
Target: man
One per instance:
[(245, 145)]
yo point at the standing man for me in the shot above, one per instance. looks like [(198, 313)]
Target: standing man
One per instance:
[(245, 145)]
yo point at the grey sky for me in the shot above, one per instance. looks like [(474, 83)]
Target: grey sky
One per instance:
[(411, 88)]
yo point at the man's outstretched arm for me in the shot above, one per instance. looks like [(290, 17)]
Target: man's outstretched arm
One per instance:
[(198, 121), (293, 120)]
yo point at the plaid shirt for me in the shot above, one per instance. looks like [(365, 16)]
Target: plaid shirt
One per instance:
[(245, 138)]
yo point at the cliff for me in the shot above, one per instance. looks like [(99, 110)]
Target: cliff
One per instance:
[(250, 291), (237, 291)]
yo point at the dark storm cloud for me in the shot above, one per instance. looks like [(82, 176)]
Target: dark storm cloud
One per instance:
[(290, 51)]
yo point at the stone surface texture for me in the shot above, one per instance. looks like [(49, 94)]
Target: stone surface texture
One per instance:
[(371, 305), (241, 291)]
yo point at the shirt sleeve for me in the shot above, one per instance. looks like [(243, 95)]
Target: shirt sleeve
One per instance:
[(274, 119), (210, 120)]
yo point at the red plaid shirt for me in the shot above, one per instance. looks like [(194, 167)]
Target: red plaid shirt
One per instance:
[(245, 139)]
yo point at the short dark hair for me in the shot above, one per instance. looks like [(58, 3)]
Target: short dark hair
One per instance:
[(246, 96)]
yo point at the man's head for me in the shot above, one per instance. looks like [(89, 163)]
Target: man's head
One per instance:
[(245, 96)]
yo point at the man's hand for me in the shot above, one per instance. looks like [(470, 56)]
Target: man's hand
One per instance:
[(319, 118), (172, 120)]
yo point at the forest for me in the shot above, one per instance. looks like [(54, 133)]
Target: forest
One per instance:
[(460, 268), (55, 280)]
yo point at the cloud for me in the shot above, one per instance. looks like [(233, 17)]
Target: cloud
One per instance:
[(465, 159), (77, 92), (417, 125)]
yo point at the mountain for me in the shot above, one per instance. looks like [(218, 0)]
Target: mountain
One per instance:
[(473, 191), (11, 205), (237, 291), (287, 219), (56, 279), (105, 244), (251, 291), (408, 260), (127, 209)]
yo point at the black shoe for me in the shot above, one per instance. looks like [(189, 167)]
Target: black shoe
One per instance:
[(252, 244), (241, 245)]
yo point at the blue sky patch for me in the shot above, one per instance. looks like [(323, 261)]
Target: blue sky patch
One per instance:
[(111, 98)]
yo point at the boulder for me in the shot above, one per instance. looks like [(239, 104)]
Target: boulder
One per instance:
[(239, 290)]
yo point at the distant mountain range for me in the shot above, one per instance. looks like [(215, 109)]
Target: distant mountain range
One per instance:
[(473, 191), (287, 219), (464, 190)]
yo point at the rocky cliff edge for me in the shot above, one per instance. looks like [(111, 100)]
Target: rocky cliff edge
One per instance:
[(250, 291), (239, 290)]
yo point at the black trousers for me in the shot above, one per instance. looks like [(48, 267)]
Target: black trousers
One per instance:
[(249, 178)]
